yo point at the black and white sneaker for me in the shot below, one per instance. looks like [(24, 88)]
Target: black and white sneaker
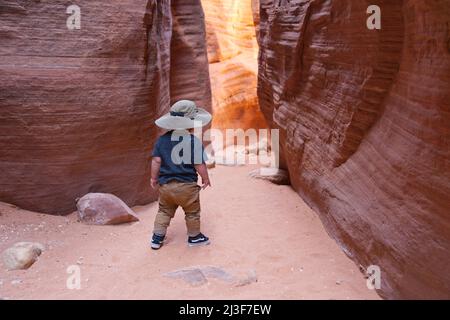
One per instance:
[(157, 241), (198, 240)]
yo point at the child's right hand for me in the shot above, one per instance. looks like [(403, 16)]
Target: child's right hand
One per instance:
[(206, 184)]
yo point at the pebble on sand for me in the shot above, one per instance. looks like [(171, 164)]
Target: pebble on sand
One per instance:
[(22, 255)]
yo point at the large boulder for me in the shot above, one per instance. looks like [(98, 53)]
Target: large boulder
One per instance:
[(104, 209), (22, 255)]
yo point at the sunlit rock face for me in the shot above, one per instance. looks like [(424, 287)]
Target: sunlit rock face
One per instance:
[(230, 28), (78, 106), (364, 119), (232, 53)]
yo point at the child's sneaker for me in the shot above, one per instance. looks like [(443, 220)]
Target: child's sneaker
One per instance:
[(157, 241), (198, 240)]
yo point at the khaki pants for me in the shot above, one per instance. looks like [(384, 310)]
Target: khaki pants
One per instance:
[(171, 196)]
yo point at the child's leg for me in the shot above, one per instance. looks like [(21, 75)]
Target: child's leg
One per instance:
[(191, 207), (165, 213)]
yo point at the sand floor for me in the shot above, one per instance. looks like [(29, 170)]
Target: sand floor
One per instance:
[(254, 227)]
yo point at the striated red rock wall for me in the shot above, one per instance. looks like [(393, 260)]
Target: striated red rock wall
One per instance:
[(365, 128), (78, 106), (189, 74)]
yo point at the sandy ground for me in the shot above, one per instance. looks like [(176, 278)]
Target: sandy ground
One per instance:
[(254, 226)]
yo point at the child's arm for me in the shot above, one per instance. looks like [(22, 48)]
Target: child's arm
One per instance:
[(156, 164), (203, 172)]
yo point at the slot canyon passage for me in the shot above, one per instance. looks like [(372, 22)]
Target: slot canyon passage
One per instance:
[(364, 122)]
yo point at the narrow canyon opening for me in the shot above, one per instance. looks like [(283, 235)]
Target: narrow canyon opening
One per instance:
[(238, 126), (233, 64)]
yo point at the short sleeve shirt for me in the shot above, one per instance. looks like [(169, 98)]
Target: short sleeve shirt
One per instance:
[(179, 152)]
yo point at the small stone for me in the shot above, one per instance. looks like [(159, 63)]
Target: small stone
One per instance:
[(22, 255), (80, 261), (210, 163), (16, 282)]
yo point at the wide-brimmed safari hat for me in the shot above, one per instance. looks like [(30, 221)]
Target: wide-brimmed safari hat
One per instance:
[(184, 114)]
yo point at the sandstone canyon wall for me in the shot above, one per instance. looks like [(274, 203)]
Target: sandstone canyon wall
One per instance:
[(232, 53), (78, 106), (189, 72), (364, 117)]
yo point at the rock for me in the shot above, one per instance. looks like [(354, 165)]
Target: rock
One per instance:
[(217, 273), (194, 277), (80, 261), (198, 276), (274, 175), (22, 255), (247, 280), (259, 147), (364, 129), (90, 128), (210, 163), (104, 209)]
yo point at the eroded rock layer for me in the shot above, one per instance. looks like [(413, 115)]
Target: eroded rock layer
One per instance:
[(232, 53), (189, 61), (364, 118), (77, 106)]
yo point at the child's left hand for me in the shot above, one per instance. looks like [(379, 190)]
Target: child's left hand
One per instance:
[(154, 183)]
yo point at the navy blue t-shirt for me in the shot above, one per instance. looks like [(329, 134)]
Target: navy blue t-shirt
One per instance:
[(179, 152)]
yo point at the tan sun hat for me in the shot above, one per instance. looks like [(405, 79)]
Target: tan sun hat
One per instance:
[(184, 114)]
